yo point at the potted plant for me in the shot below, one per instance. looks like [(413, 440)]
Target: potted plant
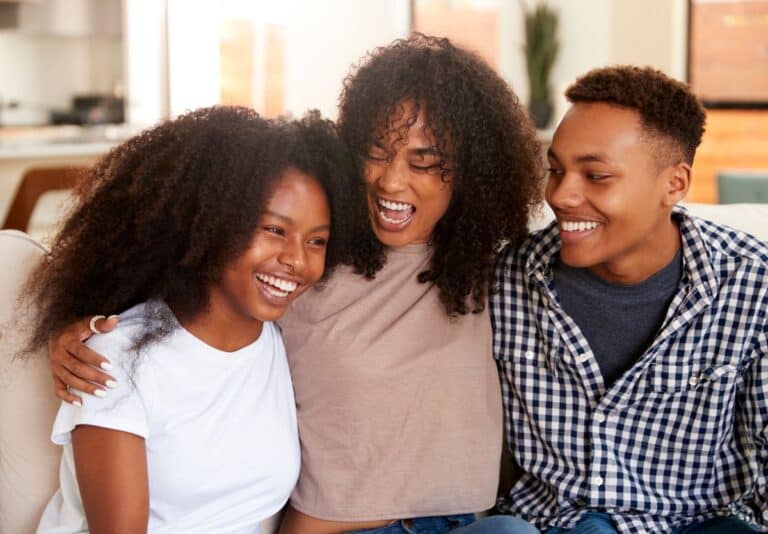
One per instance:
[(540, 48)]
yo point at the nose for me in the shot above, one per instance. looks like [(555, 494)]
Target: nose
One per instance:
[(293, 256), (391, 178), (564, 191)]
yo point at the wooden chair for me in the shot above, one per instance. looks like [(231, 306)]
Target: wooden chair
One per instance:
[(34, 184)]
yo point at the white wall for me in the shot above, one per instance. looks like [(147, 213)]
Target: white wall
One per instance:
[(324, 39), (652, 32), (146, 65), (596, 33)]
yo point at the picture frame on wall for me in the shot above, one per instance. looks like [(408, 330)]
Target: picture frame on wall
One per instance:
[(728, 52)]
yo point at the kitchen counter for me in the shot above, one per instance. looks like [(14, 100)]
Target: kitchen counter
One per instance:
[(50, 149), (60, 141)]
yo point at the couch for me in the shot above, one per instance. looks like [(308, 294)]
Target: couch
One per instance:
[(29, 462)]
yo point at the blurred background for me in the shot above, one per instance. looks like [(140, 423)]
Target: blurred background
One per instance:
[(79, 76)]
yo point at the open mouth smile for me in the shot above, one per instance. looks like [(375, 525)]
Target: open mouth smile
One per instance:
[(394, 215), (277, 287)]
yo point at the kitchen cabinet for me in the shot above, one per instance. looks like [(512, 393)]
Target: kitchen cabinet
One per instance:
[(64, 18)]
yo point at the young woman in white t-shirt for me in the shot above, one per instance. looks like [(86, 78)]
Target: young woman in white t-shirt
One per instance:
[(198, 233)]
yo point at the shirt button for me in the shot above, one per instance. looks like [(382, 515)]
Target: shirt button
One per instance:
[(765, 514), (597, 481), (600, 417), (693, 380), (529, 355), (581, 358)]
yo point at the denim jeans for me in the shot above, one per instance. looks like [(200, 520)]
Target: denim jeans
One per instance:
[(498, 524), (730, 525), (590, 523), (423, 525), (600, 523)]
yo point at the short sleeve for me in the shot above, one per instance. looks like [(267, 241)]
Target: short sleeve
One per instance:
[(124, 408)]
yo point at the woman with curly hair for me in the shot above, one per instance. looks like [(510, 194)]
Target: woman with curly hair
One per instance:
[(200, 233), (398, 397)]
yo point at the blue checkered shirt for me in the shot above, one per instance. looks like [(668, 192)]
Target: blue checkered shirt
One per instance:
[(682, 436)]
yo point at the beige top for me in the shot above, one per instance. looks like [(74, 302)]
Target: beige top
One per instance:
[(399, 408)]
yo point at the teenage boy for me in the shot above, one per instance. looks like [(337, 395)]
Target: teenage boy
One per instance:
[(631, 336)]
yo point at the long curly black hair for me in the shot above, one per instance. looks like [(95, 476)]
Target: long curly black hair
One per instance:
[(486, 140), (160, 216)]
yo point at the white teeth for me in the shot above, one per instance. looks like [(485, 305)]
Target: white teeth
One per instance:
[(578, 226), (395, 221), (395, 206), (285, 287)]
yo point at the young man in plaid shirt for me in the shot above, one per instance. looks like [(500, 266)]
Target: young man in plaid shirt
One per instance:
[(631, 338)]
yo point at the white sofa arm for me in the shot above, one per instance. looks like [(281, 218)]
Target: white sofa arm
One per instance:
[(29, 462)]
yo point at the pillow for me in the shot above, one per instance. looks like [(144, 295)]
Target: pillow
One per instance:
[(29, 462)]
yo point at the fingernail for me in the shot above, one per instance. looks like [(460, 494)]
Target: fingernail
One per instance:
[(77, 403), (113, 317), (100, 393), (111, 384), (106, 366)]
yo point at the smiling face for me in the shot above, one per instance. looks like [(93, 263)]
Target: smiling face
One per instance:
[(611, 198), (286, 255), (407, 191)]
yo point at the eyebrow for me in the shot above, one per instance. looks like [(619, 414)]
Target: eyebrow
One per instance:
[(418, 151), (584, 158), (286, 219)]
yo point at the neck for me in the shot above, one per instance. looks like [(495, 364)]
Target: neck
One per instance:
[(218, 326)]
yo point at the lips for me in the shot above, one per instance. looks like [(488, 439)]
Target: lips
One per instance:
[(394, 216), (277, 289), (574, 229)]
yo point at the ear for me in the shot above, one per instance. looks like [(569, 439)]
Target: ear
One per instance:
[(677, 181)]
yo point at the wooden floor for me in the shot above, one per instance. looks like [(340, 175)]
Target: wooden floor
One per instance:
[(735, 139)]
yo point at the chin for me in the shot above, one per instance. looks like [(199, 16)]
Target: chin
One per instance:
[(577, 260), (392, 239)]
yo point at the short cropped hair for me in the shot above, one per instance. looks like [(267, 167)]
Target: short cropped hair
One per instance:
[(669, 111)]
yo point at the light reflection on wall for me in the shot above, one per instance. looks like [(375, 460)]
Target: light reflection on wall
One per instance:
[(472, 24), (227, 52)]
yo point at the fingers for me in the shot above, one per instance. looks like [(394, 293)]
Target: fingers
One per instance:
[(74, 382), (76, 366), (80, 351), (61, 391), (87, 364), (100, 323), (108, 324)]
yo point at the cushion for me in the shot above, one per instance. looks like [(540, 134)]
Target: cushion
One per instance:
[(28, 460)]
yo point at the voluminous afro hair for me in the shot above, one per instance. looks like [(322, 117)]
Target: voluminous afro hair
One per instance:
[(488, 148), (666, 106), (160, 216)]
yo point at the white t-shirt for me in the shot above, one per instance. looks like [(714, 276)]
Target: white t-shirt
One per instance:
[(219, 429)]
